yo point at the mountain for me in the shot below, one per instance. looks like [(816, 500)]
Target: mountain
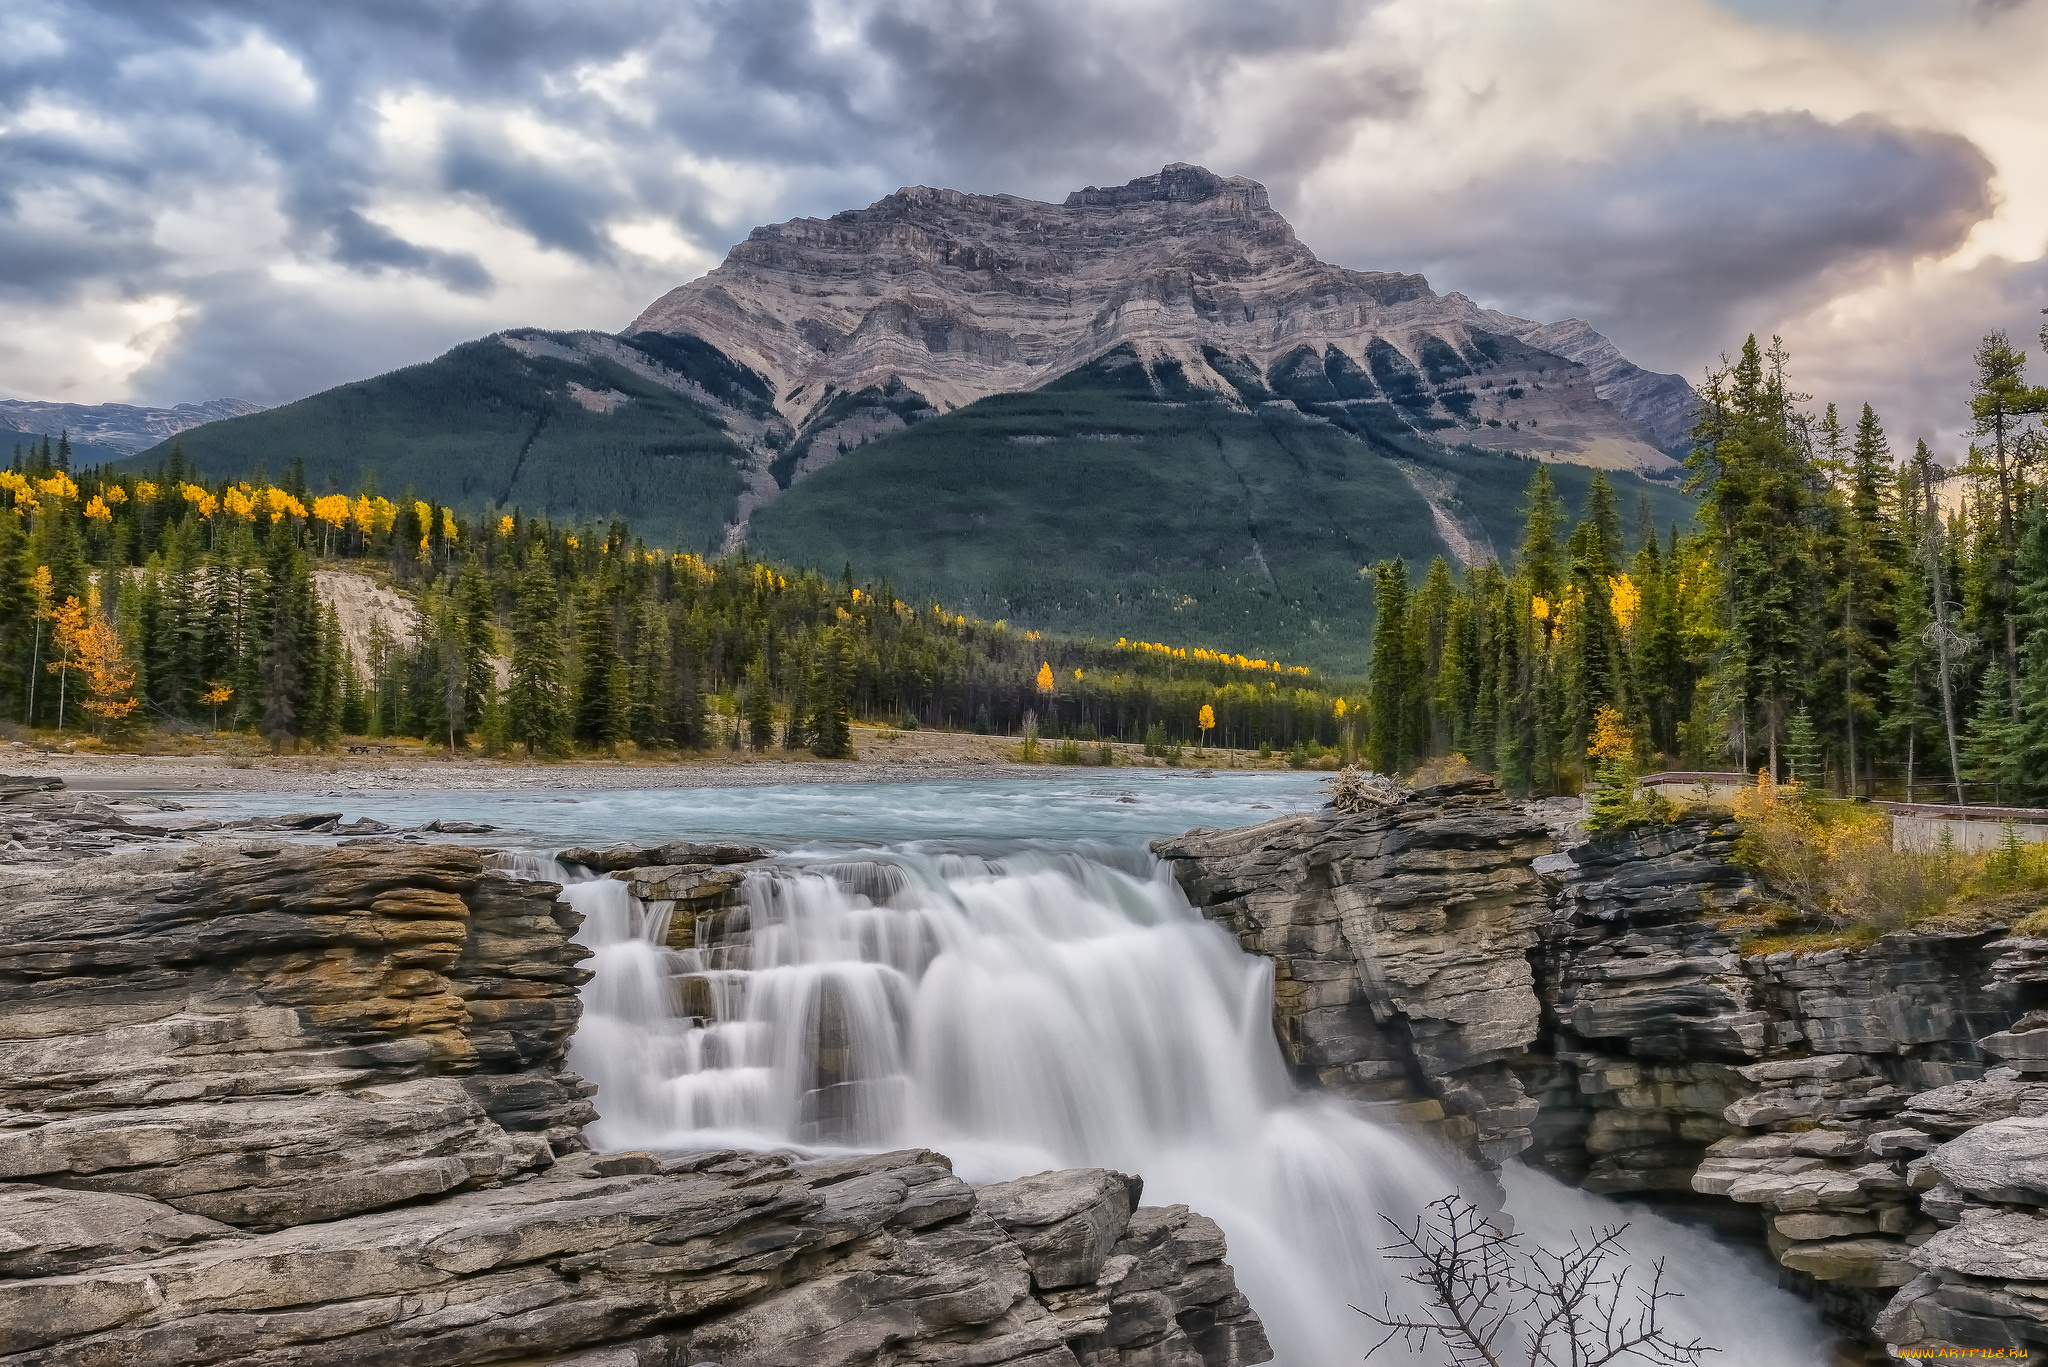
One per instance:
[(107, 431), (957, 296), (1146, 411)]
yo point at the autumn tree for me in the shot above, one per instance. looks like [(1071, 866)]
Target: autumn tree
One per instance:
[(109, 675)]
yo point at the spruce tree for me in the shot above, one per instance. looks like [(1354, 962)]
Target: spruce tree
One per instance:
[(1992, 741), (537, 704), (2030, 739), (831, 697), (652, 683), (18, 622), (603, 709), (759, 707), (477, 614), (1391, 744)]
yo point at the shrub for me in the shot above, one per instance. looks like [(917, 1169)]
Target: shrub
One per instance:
[(1067, 752)]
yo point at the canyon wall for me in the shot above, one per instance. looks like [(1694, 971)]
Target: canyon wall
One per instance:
[(1878, 1115), (264, 1103)]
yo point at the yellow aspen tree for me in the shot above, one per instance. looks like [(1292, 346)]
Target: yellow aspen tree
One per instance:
[(40, 586), (68, 624), (1206, 722), (335, 511), (216, 693), (109, 674), (1045, 682)]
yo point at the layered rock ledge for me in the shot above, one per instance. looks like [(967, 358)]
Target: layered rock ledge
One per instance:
[(1592, 1010), (263, 1103)]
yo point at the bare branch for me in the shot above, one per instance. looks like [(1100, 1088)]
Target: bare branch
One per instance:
[(1572, 1307)]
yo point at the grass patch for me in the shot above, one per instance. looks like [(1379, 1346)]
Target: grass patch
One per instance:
[(1810, 942), (1845, 886)]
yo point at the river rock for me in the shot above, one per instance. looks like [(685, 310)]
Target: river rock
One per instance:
[(624, 856)]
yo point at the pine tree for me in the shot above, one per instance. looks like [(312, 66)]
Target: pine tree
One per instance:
[(477, 614), (1391, 744), (537, 705), (1803, 751), (1753, 472), (1992, 742), (652, 672), (831, 698), (1911, 722), (603, 692), (2000, 408), (760, 707), (2030, 740), (283, 677), (18, 621)]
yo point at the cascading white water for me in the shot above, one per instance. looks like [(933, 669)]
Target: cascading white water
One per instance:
[(1054, 1007)]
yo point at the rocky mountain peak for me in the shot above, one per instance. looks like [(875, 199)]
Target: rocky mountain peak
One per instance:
[(1181, 182), (946, 297)]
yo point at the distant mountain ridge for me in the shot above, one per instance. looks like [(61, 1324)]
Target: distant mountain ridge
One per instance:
[(118, 429)]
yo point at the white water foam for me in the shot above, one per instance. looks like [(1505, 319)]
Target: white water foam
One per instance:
[(1061, 1006)]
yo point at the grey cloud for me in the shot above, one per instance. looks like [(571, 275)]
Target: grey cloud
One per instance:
[(250, 337), (1034, 96), (1698, 232), (1674, 244), (366, 245)]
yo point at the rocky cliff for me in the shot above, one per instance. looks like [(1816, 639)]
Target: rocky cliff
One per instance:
[(953, 296), (1593, 1011), (263, 1103)]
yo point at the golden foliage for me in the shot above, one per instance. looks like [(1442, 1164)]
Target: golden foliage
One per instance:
[(1206, 719), (1209, 656), (1045, 680), (1625, 598), (334, 509), (96, 510), (1611, 738), (373, 515), (1835, 859), (109, 673), (203, 503)]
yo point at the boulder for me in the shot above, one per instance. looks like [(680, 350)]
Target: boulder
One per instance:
[(2005, 1161), (1066, 1222)]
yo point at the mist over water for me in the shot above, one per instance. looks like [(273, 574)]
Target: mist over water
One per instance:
[(1034, 1003)]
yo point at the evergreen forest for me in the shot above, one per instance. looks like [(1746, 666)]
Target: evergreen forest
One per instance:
[(1842, 613)]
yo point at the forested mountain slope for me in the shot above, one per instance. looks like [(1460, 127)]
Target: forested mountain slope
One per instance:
[(574, 425), (1122, 501)]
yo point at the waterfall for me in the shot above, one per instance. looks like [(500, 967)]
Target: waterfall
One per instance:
[(1054, 1006)]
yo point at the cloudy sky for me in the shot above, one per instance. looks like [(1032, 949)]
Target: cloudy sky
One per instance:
[(204, 198)]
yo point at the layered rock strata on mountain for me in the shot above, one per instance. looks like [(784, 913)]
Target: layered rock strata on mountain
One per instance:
[(1400, 940), (272, 1104), (930, 299)]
